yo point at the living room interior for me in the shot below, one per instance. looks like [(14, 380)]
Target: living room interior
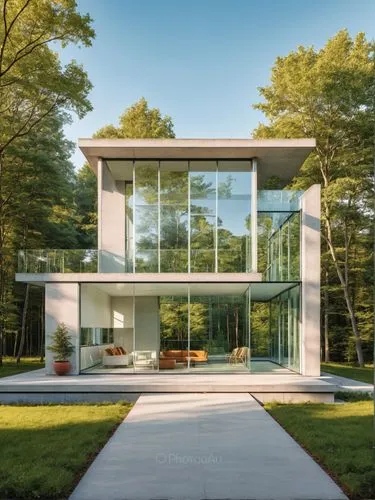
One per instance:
[(189, 328)]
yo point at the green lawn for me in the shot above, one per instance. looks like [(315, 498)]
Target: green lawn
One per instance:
[(365, 374), (10, 367), (339, 437), (45, 449)]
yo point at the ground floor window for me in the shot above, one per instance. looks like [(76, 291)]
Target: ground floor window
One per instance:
[(195, 327)]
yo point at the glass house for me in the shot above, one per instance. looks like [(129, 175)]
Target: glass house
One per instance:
[(199, 268)]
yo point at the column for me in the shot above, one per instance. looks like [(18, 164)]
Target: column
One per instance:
[(310, 276), (111, 221), (62, 306), (254, 217)]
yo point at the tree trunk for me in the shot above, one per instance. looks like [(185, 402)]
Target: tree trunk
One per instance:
[(228, 339), (209, 319), (345, 287), (42, 335), (23, 328), (326, 320), (236, 323)]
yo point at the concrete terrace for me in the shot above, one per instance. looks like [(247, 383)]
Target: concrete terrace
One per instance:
[(36, 386)]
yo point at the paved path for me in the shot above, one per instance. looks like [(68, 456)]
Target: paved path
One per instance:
[(346, 384), (203, 446)]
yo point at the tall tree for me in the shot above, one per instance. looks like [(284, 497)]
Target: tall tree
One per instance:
[(33, 83), (328, 94), (37, 211), (33, 86), (139, 121)]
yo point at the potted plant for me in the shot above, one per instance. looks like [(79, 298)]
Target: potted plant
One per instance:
[(62, 349)]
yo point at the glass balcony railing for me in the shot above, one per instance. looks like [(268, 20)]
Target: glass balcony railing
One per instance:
[(279, 200), (72, 261)]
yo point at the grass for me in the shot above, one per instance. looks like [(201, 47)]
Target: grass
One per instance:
[(365, 374), (45, 449), (339, 437), (10, 366)]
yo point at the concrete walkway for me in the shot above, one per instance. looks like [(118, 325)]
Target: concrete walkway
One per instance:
[(346, 384), (203, 446)]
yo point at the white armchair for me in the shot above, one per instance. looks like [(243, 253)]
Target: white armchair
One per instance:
[(144, 359)]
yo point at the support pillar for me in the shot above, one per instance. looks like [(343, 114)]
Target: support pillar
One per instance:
[(310, 276), (62, 306)]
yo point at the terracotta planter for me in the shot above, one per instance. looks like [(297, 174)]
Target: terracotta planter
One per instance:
[(62, 367)]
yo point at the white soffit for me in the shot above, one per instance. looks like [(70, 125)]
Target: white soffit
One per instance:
[(280, 157), (259, 291)]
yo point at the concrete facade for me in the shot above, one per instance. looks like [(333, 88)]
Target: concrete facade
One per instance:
[(62, 306), (310, 276), (111, 220)]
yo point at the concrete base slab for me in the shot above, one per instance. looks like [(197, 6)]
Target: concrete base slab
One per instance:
[(347, 384), (265, 387), (203, 446)]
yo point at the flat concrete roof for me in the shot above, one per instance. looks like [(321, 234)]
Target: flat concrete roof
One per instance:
[(280, 157)]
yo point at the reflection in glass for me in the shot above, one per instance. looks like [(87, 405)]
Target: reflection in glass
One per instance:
[(146, 216), (202, 221), (234, 206), (189, 216), (284, 329), (174, 217), (279, 245)]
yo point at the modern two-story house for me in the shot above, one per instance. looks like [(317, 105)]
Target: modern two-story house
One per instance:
[(199, 267)]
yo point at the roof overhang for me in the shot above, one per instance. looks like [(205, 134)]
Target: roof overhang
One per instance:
[(275, 157)]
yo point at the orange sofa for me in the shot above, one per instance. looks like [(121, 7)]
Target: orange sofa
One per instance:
[(180, 356)]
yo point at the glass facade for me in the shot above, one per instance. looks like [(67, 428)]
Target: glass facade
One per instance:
[(196, 327), (189, 216), (278, 232), (185, 327), (284, 331)]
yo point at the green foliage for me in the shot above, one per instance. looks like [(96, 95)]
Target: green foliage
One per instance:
[(85, 195), (37, 95), (33, 82), (353, 396), (328, 94), (61, 345), (139, 122)]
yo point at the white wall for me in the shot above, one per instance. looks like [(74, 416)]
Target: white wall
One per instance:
[(111, 220), (147, 331), (95, 307), (122, 321), (62, 306), (310, 275)]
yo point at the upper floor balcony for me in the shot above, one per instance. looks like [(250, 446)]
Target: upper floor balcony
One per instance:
[(277, 236)]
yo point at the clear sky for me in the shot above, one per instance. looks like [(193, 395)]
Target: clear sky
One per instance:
[(199, 61)]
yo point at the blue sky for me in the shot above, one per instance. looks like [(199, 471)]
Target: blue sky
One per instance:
[(199, 61)]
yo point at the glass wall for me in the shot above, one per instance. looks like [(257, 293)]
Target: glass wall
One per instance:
[(146, 216), (203, 216), (279, 245), (196, 327), (174, 216), (213, 328), (284, 312), (233, 211), (189, 216)]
